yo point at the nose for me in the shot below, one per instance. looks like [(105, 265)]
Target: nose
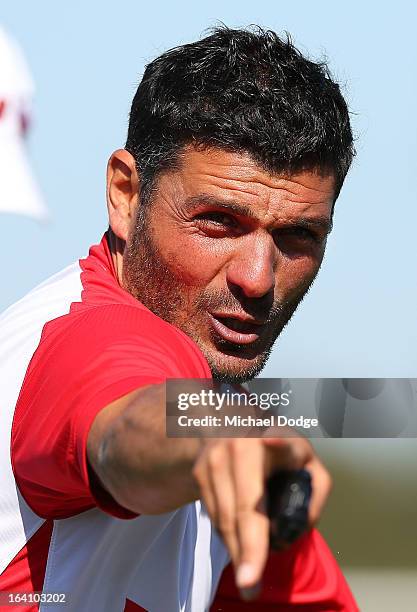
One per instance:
[(252, 268)]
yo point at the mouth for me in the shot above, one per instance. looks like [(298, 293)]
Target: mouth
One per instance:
[(235, 329)]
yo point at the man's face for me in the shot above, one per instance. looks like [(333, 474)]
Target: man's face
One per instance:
[(226, 252)]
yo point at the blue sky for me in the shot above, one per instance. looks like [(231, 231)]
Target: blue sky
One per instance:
[(87, 58)]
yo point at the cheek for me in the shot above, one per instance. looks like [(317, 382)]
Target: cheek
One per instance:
[(191, 258), (297, 272)]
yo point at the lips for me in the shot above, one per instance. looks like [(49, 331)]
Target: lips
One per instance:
[(236, 329)]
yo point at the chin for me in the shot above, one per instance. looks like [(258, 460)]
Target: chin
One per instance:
[(233, 369), (234, 363)]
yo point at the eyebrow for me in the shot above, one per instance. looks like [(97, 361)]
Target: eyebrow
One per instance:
[(321, 222), (229, 205)]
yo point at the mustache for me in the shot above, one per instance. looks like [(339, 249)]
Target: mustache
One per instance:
[(265, 308)]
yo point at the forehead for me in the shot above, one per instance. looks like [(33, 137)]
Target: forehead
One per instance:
[(236, 179)]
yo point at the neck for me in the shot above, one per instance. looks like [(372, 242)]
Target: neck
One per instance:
[(117, 247)]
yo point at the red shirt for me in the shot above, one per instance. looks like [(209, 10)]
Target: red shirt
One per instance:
[(68, 349)]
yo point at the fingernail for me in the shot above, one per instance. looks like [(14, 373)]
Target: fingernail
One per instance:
[(245, 574), (250, 593)]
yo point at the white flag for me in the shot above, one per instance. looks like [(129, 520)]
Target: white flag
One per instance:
[(19, 192)]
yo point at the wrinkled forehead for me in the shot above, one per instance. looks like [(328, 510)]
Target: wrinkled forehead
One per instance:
[(236, 181)]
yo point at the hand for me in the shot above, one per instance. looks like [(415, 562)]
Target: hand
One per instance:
[(321, 482), (231, 475)]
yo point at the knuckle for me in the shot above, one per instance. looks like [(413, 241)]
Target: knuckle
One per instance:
[(238, 447), (243, 509), (226, 524), (215, 459), (328, 480), (300, 453), (198, 471), (321, 474), (253, 550)]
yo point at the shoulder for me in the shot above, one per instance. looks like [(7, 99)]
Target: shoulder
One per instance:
[(126, 330)]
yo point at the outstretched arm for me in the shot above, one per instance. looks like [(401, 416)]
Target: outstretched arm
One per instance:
[(146, 472)]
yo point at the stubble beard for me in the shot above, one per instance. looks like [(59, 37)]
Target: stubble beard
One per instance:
[(149, 279)]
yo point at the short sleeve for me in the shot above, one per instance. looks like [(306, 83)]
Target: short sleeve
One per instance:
[(84, 362)]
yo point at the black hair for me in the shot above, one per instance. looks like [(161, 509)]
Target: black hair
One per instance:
[(242, 91)]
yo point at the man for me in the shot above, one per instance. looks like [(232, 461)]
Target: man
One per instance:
[(219, 209)]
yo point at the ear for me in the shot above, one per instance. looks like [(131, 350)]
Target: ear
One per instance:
[(122, 192)]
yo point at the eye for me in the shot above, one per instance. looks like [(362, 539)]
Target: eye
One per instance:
[(302, 234), (217, 218), (297, 239), (217, 224)]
